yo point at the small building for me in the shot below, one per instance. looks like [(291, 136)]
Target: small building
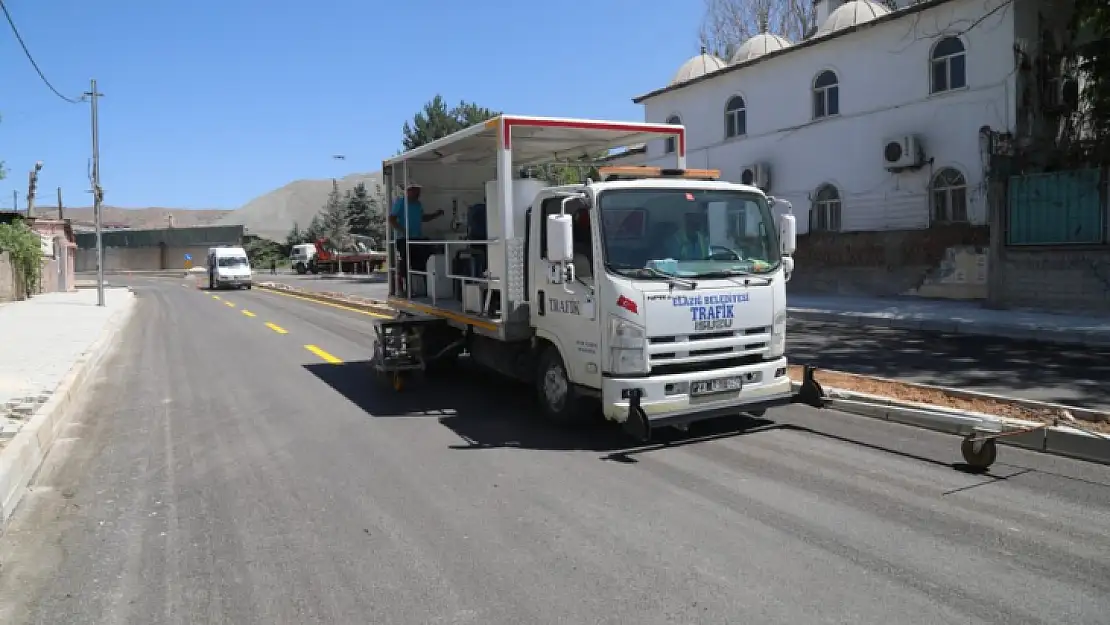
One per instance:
[(154, 250), (58, 257)]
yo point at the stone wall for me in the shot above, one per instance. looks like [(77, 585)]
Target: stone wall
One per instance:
[(889, 263), (142, 258), (11, 287), (1075, 281)]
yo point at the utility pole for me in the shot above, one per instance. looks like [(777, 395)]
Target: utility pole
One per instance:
[(98, 193), (61, 210), (15, 200)]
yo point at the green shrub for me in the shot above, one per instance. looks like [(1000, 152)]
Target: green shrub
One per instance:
[(25, 250)]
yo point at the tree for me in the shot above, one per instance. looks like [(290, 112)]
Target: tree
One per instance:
[(1091, 29), (296, 236), (315, 229), (365, 213), (728, 23), (333, 218), (25, 253), (436, 120), (357, 204)]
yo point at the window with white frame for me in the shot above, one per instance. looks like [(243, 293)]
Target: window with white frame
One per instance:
[(948, 65), (736, 117), (826, 210), (669, 142), (826, 95), (949, 195)]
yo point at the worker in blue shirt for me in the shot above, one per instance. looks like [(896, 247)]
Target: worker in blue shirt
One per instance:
[(409, 225), (690, 242)]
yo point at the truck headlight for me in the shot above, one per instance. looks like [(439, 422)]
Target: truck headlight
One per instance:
[(627, 347), (778, 336)]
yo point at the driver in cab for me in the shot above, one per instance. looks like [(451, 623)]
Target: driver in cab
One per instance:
[(690, 242)]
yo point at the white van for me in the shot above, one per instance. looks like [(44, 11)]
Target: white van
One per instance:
[(228, 267)]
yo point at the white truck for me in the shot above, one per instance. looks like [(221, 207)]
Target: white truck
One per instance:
[(660, 292)]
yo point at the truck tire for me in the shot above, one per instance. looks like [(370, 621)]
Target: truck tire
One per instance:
[(559, 401)]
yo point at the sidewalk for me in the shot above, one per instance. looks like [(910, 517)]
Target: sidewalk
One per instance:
[(48, 346), (952, 317)]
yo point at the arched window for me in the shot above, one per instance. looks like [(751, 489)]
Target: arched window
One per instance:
[(826, 95), (826, 210), (736, 117), (669, 142), (949, 193), (949, 65)]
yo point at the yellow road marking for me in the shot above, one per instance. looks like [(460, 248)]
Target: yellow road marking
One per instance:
[(230, 305), (276, 328), (247, 312), (215, 297), (326, 357), (316, 301)]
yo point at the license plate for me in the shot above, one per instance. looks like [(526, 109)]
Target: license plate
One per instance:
[(720, 385)]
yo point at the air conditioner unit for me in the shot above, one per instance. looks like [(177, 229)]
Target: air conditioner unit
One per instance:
[(902, 152), (757, 175)]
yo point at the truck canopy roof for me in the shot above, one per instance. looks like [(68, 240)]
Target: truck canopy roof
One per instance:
[(536, 140)]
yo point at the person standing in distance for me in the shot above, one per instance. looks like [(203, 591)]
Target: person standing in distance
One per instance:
[(408, 225)]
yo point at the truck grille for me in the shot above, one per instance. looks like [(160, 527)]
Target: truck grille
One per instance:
[(674, 354)]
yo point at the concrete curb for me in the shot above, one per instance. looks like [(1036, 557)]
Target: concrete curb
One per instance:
[(377, 308), (21, 458), (1057, 440), (164, 273), (1043, 335)]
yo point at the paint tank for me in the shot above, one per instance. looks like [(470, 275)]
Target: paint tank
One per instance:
[(524, 191)]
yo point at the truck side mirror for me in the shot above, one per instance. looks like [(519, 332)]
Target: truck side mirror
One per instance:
[(560, 242), (788, 234)]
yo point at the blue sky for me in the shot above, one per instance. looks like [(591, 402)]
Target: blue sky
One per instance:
[(210, 103)]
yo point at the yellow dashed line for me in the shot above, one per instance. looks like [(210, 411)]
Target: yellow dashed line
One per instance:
[(247, 312), (276, 328), (230, 305), (215, 297), (316, 301), (326, 357)]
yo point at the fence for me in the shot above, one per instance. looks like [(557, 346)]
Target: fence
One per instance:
[(1057, 208)]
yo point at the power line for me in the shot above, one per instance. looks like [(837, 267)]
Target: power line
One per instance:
[(30, 58)]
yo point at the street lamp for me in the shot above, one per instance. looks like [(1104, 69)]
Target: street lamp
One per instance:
[(32, 184)]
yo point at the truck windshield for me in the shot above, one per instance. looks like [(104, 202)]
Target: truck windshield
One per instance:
[(687, 233), (233, 261)]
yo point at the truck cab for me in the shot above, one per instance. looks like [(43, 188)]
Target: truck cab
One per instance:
[(300, 257), (666, 285)]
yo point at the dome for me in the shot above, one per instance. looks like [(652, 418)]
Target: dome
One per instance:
[(852, 14), (697, 67), (757, 46)]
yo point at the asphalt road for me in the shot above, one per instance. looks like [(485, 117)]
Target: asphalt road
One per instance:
[(1067, 375), (226, 473)]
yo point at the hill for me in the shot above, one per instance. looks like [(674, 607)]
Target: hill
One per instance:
[(272, 215), (138, 218)]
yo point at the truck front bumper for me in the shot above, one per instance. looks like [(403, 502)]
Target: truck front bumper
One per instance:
[(666, 399)]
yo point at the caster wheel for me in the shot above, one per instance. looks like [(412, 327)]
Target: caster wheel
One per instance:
[(982, 458)]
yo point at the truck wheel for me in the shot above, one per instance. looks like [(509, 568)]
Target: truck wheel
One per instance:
[(559, 401)]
